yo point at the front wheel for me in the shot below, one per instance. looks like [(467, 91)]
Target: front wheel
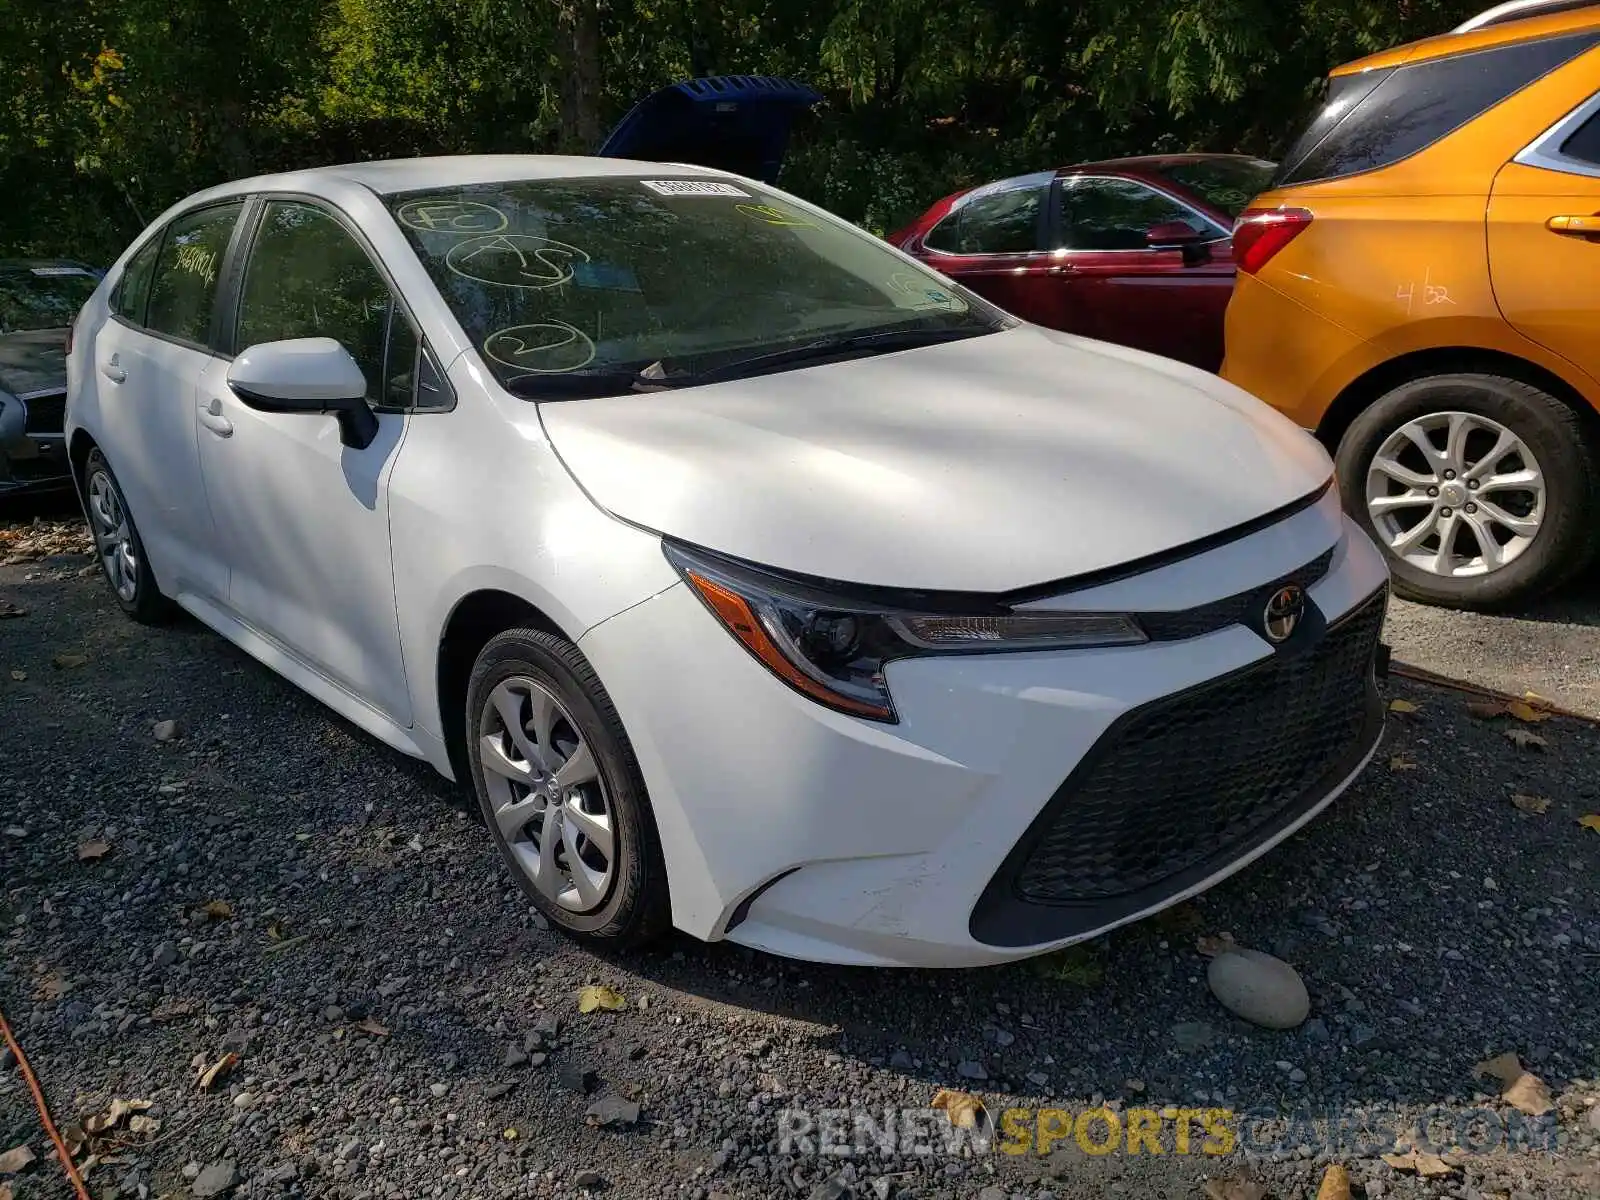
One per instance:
[(1482, 490), (560, 791)]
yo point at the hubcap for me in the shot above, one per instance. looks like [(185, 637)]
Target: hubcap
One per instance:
[(113, 539), (549, 801), (1455, 494)]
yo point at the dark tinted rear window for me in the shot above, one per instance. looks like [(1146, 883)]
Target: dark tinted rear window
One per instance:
[(1368, 122), (1585, 141)]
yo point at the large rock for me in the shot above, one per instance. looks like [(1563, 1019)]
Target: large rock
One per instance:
[(1265, 991)]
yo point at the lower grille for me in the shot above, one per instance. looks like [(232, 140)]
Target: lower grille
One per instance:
[(1185, 779)]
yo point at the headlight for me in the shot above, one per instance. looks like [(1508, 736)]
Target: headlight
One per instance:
[(833, 648)]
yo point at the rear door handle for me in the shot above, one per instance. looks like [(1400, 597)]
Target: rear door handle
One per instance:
[(1575, 226), (112, 370), (211, 417)]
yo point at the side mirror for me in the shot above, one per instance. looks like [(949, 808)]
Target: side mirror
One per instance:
[(306, 375), (1171, 233)]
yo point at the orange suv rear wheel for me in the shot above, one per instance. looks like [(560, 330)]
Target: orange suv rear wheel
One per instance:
[(1482, 490)]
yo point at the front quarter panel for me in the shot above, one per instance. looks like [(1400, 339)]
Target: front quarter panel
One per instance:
[(479, 501)]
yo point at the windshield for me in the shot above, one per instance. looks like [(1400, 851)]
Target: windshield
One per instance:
[(1228, 184), (671, 277), (44, 297)]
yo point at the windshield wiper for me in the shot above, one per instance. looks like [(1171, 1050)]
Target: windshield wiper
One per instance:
[(836, 346), (592, 385)]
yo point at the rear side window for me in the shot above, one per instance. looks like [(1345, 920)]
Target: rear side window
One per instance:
[(1368, 122), (133, 289), (183, 288), (1584, 144), (1001, 218)]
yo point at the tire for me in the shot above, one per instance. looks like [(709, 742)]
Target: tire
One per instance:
[(542, 673), (1562, 523), (118, 547)]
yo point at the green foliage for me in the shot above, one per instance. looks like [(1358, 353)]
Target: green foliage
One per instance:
[(116, 108)]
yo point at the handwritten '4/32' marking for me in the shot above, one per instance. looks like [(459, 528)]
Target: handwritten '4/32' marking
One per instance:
[(1432, 293)]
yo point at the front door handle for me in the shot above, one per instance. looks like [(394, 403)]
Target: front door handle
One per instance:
[(1585, 226), (112, 370), (211, 417)]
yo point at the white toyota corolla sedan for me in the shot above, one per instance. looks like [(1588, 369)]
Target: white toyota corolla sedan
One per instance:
[(761, 581)]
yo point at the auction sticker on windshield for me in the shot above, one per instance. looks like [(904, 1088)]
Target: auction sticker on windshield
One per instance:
[(693, 187)]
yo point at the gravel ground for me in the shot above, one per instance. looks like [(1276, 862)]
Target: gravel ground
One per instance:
[(405, 1029), (1551, 647)]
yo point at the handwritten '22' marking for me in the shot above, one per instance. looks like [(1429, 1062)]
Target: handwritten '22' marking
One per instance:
[(769, 214), (515, 260), (524, 347)]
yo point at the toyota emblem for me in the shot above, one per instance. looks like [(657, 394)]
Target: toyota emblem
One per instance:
[(1282, 615)]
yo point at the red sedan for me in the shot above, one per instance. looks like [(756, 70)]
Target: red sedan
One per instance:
[(1130, 250)]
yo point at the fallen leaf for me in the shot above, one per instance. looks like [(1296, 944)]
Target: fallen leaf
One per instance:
[(1486, 710), (375, 1028), (594, 997), (1529, 708), (20, 676), (8, 609), (218, 1071), (75, 1138), (66, 662), (1335, 1183), (143, 1124), (93, 850), (1401, 763), (1211, 945), (1402, 706), (1538, 805), (275, 931), (1519, 1087), (1525, 739), (6, 1192), (171, 1010), (1235, 1189), (1590, 821), (112, 1116), (1421, 1161), (15, 1159), (216, 910), (510, 1135), (51, 987), (963, 1109)]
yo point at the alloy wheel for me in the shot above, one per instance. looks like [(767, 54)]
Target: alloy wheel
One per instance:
[(113, 537), (546, 794), (1455, 494)]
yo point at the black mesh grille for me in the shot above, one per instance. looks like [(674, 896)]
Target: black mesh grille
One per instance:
[(46, 414), (1183, 780)]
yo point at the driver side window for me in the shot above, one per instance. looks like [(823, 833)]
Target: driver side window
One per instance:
[(1115, 214), (308, 277)]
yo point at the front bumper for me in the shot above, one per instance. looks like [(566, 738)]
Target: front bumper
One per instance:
[(951, 839)]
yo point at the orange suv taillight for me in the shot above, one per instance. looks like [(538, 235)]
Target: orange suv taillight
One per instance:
[(1260, 233)]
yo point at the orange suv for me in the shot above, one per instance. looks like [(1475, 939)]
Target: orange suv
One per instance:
[(1421, 286)]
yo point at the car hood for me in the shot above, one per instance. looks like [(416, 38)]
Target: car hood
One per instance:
[(989, 464), (33, 360)]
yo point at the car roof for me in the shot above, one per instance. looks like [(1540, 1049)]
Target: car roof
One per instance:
[(1499, 34), (390, 176), (1140, 163)]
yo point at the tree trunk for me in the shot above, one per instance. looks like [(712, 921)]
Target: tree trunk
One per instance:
[(580, 80)]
